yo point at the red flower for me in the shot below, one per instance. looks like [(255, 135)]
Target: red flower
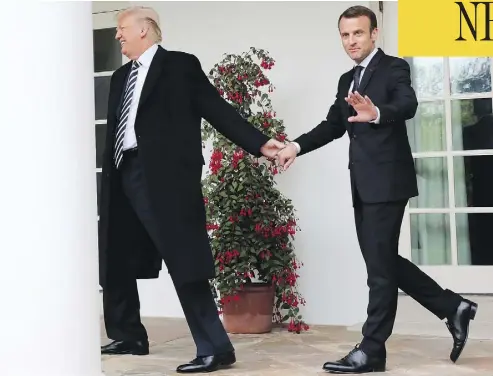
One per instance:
[(215, 163), (237, 157), (267, 64), (281, 137), (246, 212), (212, 227)]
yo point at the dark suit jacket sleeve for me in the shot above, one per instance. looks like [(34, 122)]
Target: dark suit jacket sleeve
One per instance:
[(403, 102), (328, 130), (222, 116)]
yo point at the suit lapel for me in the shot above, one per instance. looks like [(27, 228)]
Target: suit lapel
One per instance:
[(369, 71), (347, 79), (153, 75)]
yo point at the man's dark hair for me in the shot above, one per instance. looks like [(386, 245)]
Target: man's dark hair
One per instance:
[(359, 11)]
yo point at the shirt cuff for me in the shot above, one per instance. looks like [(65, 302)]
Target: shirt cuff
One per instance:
[(377, 120), (297, 146)]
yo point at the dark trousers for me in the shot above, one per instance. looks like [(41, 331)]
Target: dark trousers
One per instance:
[(121, 301), (378, 229)]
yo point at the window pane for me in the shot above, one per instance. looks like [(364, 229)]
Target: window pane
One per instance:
[(473, 183), (427, 76), (430, 239), (107, 52), (432, 183), (100, 141), (474, 240), (102, 91), (472, 124), (470, 75), (426, 131)]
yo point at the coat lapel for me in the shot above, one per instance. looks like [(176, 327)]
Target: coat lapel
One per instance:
[(369, 71), (346, 108), (347, 79), (153, 75)]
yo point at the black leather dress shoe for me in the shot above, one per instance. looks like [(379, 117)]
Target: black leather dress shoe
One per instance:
[(458, 325), (208, 363), (126, 347), (357, 361)]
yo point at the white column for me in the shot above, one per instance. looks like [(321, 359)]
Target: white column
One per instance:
[(49, 310)]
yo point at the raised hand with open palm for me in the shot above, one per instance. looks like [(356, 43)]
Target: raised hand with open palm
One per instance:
[(364, 107)]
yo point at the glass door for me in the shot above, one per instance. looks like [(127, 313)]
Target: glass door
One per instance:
[(448, 228)]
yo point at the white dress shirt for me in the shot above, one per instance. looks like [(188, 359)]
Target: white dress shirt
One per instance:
[(130, 141), (364, 64)]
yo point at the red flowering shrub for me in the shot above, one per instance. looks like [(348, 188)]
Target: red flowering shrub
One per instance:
[(250, 223)]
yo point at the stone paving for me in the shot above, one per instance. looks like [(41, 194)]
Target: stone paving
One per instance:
[(287, 354)]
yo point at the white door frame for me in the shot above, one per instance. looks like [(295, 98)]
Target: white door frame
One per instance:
[(104, 16), (459, 278)]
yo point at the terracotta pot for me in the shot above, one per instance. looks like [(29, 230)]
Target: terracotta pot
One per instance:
[(252, 313)]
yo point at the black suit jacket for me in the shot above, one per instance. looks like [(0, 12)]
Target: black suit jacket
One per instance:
[(175, 97), (380, 158)]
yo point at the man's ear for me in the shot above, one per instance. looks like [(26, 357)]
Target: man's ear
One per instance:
[(374, 34), (144, 31)]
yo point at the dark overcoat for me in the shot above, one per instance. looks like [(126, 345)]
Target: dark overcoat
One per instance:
[(175, 97)]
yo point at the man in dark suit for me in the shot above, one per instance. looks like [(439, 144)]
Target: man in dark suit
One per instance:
[(383, 179), (151, 204)]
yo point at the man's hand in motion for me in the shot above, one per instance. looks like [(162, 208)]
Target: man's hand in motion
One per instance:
[(364, 107), (287, 156), (271, 148)]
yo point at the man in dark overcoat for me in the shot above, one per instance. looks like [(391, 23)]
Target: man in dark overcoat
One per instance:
[(151, 203)]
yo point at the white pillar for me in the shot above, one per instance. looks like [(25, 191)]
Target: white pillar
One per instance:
[(49, 310)]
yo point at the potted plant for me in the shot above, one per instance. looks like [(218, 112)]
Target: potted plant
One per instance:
[(250, 223)]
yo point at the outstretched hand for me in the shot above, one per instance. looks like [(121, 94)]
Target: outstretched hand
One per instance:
[(287, 156), (364, 107), (271, 148)]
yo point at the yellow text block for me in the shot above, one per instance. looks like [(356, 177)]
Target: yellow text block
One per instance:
[(445, 28)]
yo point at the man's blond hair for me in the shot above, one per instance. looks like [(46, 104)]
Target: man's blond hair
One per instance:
[(147, 15)]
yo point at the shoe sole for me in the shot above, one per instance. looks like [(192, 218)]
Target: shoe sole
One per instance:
[(127, 353), (219, 367), (472, 316), (375, 370)]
